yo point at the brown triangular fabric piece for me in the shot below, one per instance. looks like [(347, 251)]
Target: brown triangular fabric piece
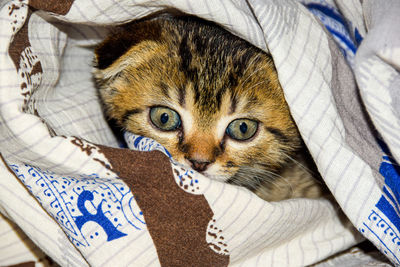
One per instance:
[(177, 221), (54, 6)]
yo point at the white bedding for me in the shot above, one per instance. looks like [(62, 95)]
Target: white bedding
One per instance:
[(51, 121)]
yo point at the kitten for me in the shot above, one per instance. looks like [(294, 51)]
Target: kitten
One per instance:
[(212, 99)]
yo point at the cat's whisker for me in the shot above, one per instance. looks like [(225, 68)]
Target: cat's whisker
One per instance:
[(257, 179), (297, 163), (273, 182), (254, 72), (250, 64), (304, 168), (249, 186), (264, 81)]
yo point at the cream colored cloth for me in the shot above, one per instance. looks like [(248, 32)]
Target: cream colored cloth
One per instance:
[(46, 112)]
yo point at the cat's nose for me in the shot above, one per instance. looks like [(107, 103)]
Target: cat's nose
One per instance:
[(199, 166)]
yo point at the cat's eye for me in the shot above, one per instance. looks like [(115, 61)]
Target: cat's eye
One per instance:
[(165, 118), (242, 129)]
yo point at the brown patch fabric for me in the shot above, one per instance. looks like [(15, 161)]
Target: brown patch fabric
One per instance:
[(177, 221), (24, 264), (25, 60), (85, 147), (55, 6), (20, 42)]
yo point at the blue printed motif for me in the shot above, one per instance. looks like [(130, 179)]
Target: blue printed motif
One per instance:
[(384, 223), (389, 202), (381, 230), (88, 208), (99, 218), (142, 143), (338, 27)]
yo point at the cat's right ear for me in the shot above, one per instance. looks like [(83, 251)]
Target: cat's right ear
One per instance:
[(124, 38), (109, 58)]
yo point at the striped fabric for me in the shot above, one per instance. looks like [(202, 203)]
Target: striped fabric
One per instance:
[(83, 202)]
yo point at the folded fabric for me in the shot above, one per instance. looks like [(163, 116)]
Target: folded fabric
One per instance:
[(84, 201)]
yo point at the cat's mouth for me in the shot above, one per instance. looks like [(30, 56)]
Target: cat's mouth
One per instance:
[(214, 171)]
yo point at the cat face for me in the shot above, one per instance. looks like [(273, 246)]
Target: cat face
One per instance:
[(212, 99)]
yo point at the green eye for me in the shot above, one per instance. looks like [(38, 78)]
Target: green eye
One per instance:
[(242, 129), (164, 118)]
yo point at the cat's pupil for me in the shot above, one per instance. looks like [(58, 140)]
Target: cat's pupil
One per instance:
[(243, 127), (164, 118)]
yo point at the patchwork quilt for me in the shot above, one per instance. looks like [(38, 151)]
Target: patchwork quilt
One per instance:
[(71, 195)]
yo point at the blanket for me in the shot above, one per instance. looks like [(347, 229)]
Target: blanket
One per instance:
[(68, 191)]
